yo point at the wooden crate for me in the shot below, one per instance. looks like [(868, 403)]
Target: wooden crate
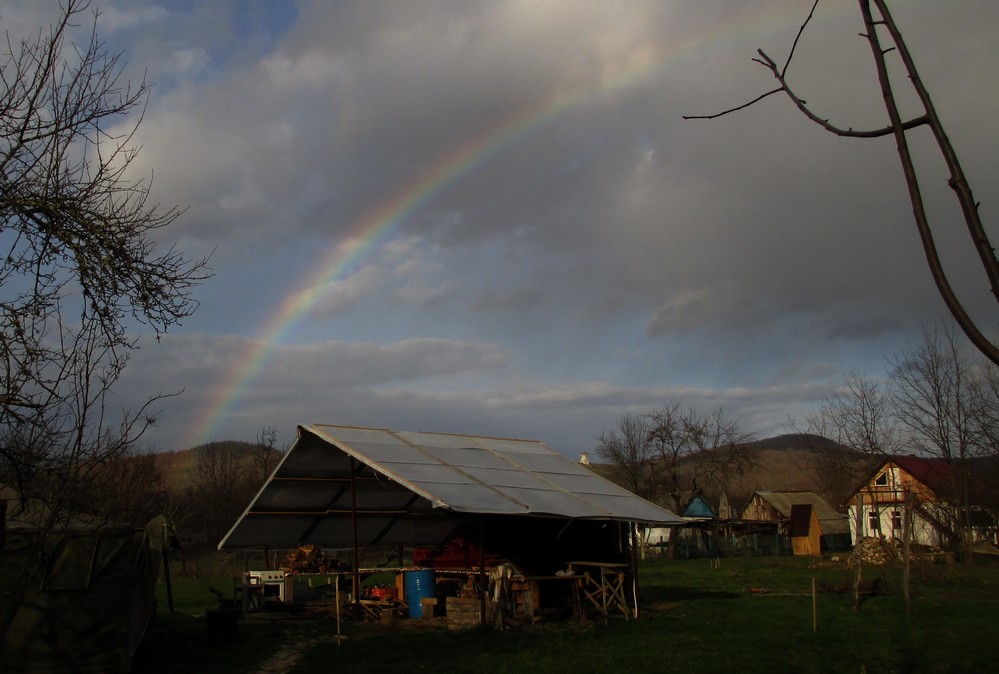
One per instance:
[(462, 614)]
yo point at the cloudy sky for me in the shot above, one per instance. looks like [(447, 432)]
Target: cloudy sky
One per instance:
[(491, 217)]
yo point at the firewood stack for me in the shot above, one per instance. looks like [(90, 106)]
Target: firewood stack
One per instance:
[(877, 551), (311, 560)]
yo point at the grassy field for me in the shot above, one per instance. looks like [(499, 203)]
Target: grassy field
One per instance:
[(746, 615)]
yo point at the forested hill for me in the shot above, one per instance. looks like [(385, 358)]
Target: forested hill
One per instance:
[(804, 462), (178, 468)]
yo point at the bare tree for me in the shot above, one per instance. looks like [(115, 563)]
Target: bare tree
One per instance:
[(880, 29), (224, 483), (79, 268), (695, 449), (722, 449), (265, 454), (861, 416), (628, 450), (936, 402), (127, 487), (672, 441), (671, 454)]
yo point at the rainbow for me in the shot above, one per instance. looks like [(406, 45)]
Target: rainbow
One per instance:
[(381, 221)]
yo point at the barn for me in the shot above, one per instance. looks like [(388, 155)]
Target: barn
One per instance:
[(819, 525), (452, 503)]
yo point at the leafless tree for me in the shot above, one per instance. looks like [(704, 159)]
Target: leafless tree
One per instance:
[(722, 449), (860, 416), (884, 38), (694, 449), (672, 453), (628, 451), (265, 453), (936, 402), (672, 441), (224, 482), (80, 268)]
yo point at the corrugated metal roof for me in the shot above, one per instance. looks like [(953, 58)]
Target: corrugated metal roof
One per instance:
[(409, 488)]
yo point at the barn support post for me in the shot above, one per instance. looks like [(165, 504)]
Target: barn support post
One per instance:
[(634, 566), (483, 586), (356, 563)]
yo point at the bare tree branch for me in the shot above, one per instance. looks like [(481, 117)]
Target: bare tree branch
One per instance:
[(898, 128)]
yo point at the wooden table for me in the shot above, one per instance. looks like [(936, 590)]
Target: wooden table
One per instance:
[(603, 586)]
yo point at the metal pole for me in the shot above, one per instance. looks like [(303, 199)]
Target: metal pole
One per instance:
[(634, 567), (356, 583)]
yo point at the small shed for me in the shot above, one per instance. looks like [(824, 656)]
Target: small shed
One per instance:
[(805, 530)]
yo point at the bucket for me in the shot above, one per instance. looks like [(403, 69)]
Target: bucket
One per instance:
[(419, 584)]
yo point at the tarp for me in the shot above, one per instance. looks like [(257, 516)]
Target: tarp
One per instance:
[(86, 605), (405, 487)]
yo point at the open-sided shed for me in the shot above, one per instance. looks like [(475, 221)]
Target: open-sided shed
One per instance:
[(341, 487)]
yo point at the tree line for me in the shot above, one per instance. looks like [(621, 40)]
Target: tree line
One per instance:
[(936, 399)]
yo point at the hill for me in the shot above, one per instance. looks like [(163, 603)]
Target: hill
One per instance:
[(177, 468), (800, 462)]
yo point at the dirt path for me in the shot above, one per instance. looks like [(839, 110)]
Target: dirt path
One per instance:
[(288, 655)]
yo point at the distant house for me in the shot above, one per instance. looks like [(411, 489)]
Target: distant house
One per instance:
[(880, 500), (696, 512), (830, 530), (698, 508)]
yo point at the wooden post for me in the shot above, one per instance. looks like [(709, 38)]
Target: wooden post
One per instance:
[(857, 560), (815, 608), (336, 594), (483, 585), (907, 550)]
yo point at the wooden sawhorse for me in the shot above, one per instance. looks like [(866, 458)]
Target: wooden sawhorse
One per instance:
[(603, 585)]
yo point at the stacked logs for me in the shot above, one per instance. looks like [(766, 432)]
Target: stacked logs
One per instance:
[(311, 560), (878, 551)]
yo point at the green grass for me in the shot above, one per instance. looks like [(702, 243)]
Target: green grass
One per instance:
[(696, 619)]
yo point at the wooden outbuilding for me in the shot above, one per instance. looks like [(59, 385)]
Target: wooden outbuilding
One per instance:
[(832, 529), (805, 530)]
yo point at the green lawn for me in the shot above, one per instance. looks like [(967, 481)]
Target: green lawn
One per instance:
[(749, 615)]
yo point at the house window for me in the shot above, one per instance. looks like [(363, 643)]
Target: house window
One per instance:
[(882, 479), (896, 520), (873, 521)]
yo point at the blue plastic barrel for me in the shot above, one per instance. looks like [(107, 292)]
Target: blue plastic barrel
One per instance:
[(419, 584)]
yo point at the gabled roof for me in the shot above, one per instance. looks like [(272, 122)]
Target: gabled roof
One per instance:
[(699, 508), (934, 473), (931, 472), (782, 501), (405, 487)]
